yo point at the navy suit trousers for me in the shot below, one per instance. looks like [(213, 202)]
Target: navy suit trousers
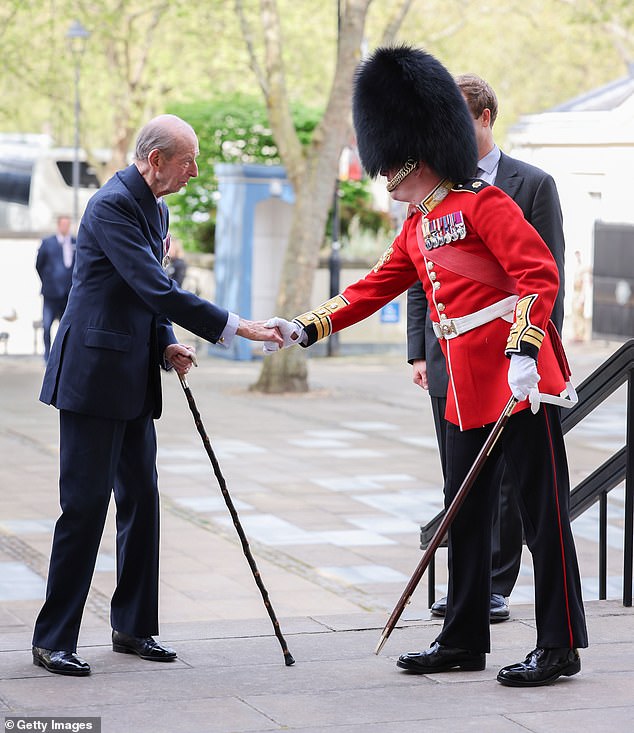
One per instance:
[(98, 457)]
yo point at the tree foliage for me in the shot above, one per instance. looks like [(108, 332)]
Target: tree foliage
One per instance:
[(232, 129), (535, 53), (235, 129)]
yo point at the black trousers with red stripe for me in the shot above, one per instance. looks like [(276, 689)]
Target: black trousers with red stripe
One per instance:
[(535, 453)]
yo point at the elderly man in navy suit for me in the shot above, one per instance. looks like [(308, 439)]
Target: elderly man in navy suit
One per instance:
[(103, 375), (54, 264), (536, 194)]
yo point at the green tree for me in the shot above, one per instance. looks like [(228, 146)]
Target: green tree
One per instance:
[(145, 55)]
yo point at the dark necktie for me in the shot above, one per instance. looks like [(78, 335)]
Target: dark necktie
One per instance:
[(165, 237)]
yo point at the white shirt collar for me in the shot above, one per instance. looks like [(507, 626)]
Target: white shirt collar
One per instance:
[(489, 164)]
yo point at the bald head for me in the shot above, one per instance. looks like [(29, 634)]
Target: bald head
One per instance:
[(165, 133), (165, 154)]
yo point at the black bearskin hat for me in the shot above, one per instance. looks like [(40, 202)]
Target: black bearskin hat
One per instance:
[(407, 106)]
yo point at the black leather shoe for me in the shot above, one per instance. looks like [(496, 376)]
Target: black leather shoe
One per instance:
[(145, 647), (60, 662), (541, 667), (500, 610), (440, 607), (440, 658)]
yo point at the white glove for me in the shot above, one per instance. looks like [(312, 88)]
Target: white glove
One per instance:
[(523, 376), (535, 400), (291, 334)]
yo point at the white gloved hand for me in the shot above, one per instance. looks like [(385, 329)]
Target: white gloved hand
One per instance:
[(523, 376), (291, 334), (535, 400)]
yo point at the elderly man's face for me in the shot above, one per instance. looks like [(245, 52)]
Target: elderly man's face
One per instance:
[(174, 172)]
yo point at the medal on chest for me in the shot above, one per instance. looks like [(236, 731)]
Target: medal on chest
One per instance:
[(443, 230)]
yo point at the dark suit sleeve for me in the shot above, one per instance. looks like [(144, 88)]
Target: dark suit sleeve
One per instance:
[(416, 317), (546, 217), (115, 225), (165, 335)]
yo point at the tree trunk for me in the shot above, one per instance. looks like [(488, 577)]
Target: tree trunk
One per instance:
[(313, 173), (287, 371)]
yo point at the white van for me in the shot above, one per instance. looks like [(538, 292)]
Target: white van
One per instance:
[(36, 183)]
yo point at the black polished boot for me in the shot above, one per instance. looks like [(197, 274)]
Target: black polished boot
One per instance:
[(499, 610), (143, 646), (541, 667), (60, 662), (440, 658)]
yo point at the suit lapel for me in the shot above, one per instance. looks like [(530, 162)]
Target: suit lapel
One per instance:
[(507, 177), (134, 182)]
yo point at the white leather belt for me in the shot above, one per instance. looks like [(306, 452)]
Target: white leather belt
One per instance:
[(449, 328)]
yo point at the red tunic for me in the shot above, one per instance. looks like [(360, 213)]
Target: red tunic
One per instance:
[(476, 362)]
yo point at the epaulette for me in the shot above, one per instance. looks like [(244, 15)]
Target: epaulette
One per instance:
[(471, 185)]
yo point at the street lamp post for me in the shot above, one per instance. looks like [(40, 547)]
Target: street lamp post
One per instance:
[(334, 266), (349, 170), (77, 36), (334, 261)]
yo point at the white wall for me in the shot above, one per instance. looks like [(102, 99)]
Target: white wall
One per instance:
[(20, 291), (590, 154)]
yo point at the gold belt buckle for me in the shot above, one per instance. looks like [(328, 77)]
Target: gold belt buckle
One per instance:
[(448, 327)]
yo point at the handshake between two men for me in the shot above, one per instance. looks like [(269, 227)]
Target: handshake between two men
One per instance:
[(292, 333), (522, 376)]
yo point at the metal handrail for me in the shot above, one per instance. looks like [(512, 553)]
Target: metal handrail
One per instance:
[(595, 389)]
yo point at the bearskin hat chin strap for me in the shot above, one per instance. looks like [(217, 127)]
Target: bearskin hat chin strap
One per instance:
[(401, 175)]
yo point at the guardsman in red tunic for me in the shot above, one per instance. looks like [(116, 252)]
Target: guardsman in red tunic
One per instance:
[(491, 283)]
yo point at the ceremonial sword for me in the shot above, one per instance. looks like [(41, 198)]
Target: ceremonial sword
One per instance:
[(450, 514)]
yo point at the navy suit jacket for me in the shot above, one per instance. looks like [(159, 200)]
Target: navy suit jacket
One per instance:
[(535, 192), (55, 276), (110, 342)]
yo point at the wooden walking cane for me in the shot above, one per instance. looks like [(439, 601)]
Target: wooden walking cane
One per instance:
[(288, 657), (450, 514)]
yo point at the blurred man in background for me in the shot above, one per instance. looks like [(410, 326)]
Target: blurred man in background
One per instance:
[(54, 264)]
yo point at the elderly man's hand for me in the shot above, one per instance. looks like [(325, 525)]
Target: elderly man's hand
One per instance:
[(259, 331), (181, 357)]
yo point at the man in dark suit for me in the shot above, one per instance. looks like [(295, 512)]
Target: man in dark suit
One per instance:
[(54, 264), (536, 194), (103, 375)]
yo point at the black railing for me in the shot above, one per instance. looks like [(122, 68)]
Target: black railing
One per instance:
[(614, 372)]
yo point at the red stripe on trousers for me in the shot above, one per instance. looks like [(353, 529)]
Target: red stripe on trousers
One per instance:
[(561, 537)]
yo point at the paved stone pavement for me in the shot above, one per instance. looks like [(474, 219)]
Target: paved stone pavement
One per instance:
[(331, 488)]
